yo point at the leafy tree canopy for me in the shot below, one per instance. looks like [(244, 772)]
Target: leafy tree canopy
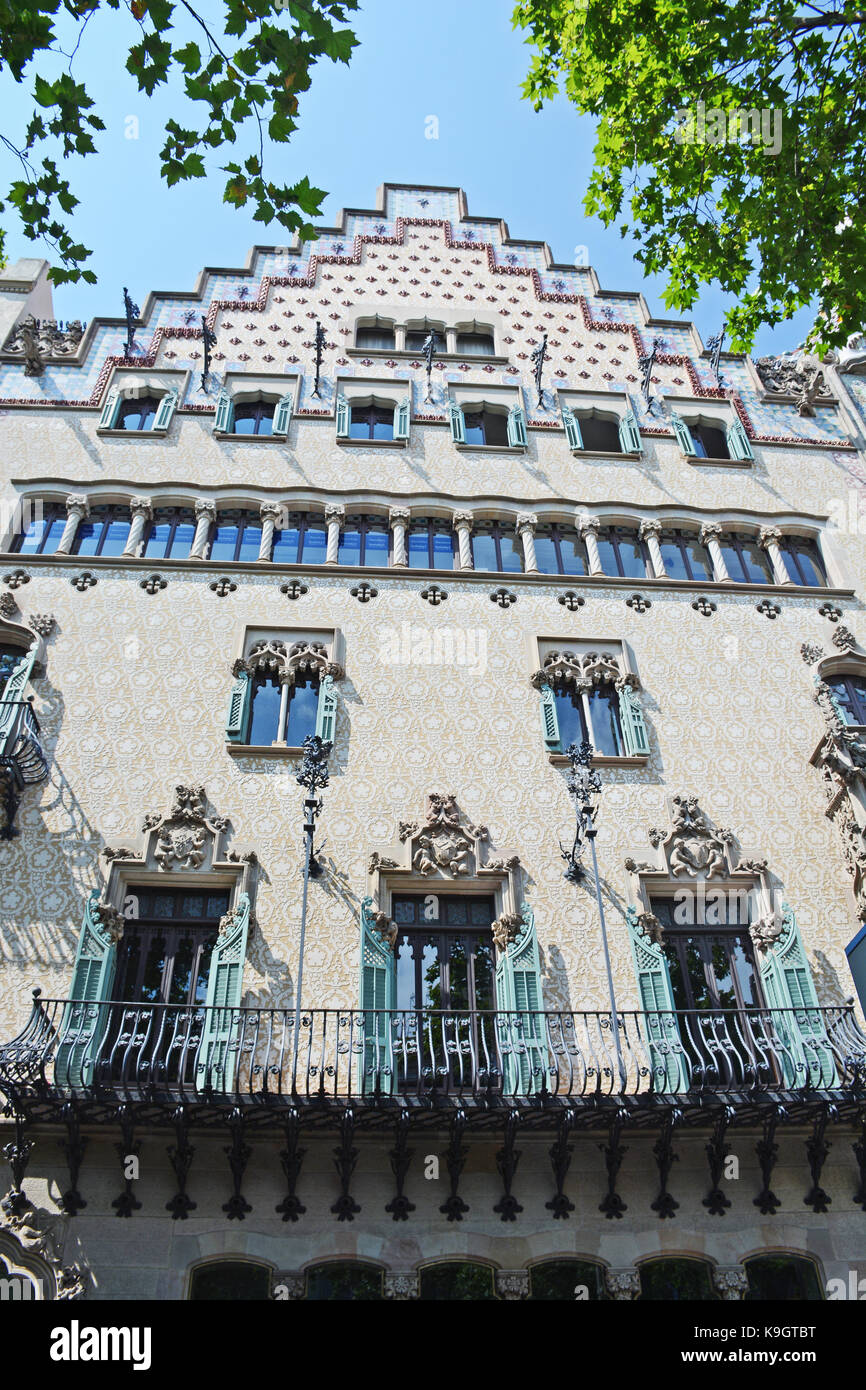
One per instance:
[(241, 76), (767, 207)]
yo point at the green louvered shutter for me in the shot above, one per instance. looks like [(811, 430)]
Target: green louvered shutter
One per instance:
[(658, 1026), (87, 1019), (224, 420), (807, 1058), (165, 411), (401, 419), (110, 410), (684, 436), (549, 721), (520, 1023), (238, 714), (632, 723), (458, 424), (343, 418), (572, 428), (283, 414), (629, 434), (516, 426), (738, 441), (378, 989), (326, 710), (216, 1063)]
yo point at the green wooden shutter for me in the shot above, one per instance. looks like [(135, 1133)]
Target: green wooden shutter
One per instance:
[(572, 428), (343, 418), (401, 419), (458, 424), (658, 1027), (165, 411), (549, 721), (738, 441), (326, 710), (684, 436), (216, 1064), (378, 990), (629, 434), (239, 708), (110, 410), (807, 1058), (631, 720), (224, 420), (516, 426), (86, 1019), (283, 414), (521, 1027)]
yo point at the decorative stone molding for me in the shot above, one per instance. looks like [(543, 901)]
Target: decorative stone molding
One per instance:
[(511, 1284), (400, 1287), (731, 1283), (623, 1285)]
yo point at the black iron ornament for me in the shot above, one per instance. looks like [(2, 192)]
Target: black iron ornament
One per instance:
[(429, 351), (320, 345), (131, 312), (209, 339), (715, 346), (537, 359), (645, 363)]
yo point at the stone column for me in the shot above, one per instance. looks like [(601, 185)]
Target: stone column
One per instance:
[(710, 532), (525, 528), (77, 507), (650, 531), (769, 540), (335, 515), (463, 522), (270, 513), (142, 512), (205, 516), (399, 520), (622, 1284), (589, 527), (731, 1283), (511, 1284), (403, 1286)]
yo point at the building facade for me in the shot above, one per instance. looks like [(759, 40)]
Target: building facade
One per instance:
[(448, 509)]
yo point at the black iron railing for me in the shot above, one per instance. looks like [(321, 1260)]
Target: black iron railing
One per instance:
[(160, 1052)]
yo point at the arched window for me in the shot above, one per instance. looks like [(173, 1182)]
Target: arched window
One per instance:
[(377, 336), (849, 694), (344, 1281), (104, 532), (170, 534), (803, 561), (486, 427), (496, 547), (676, 1280), (455, 1280), (622, 552), (254, 417), (137, 413), (236, 535), (430, 544), (566, 1280), (304, 541), (560, 550), (684, 555), (42, 527), (745, 560), (230, 1281), (364, 540), (782, 1278)]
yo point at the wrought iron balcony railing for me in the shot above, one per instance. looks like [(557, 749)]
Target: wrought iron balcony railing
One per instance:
[(164, 1053)]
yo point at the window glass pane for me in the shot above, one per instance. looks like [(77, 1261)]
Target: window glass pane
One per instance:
[(303, 707), (224, 540), (604, 713), (315, 545), (350, 546), (570, 715), (376, 548), (418, 548), (443, 551), (264, 720)]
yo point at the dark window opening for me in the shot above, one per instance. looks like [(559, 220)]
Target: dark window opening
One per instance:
[(254, 417), (486, 427), (709, 442), (600, 436), (137, 414), (497, 549), (371, 422)]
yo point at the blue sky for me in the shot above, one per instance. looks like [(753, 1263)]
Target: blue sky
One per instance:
[(457, 60)]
